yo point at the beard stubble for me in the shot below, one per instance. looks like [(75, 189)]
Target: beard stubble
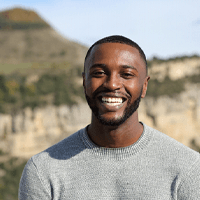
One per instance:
[(129, 110)]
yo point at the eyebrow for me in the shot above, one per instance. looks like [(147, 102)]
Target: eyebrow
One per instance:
[(97, 65), (128, 66), (103, 65)]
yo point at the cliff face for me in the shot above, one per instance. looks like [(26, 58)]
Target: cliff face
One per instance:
[(30, 132), (177, 117), (175, 69)]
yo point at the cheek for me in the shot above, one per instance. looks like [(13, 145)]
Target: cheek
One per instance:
[(133, 87), (91, 86)]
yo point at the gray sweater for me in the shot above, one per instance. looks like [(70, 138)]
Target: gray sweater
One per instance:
[(156, 167)]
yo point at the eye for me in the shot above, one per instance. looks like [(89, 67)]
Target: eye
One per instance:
[(127, 75), (98, 73)]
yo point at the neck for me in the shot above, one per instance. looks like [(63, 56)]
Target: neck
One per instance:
[(115, 136)]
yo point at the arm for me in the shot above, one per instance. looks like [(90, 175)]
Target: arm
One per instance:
[(189, 188), (31, 186)]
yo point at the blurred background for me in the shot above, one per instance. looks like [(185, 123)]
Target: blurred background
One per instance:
[(42, 49)]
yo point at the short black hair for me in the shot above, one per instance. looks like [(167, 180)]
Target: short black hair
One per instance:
[(118, 39)]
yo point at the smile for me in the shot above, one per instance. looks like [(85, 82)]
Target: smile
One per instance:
[(112, 101)]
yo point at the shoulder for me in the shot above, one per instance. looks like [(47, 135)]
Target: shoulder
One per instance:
[(63, 150), (171, 150), (48, 165)]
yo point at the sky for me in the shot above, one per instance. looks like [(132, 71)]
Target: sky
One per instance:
[(162, 28)]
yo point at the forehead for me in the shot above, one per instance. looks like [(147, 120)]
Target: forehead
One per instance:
[(114, 52)]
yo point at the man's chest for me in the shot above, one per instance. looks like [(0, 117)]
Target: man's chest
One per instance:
[(114, 182)]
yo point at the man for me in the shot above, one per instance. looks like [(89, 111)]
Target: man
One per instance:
[(116, 156)]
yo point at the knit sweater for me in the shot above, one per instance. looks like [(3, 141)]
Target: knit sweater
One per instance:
[(156, 167)]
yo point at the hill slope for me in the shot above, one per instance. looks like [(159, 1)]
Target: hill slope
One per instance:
[(21, 15), (25, 37), (18, 18), (45, 45)]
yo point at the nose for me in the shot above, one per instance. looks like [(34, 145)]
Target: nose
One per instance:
[(112, 82)]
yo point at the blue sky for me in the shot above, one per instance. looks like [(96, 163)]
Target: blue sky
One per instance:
[(163, 28)]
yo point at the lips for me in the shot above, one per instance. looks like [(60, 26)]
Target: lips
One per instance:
[(111, 99)]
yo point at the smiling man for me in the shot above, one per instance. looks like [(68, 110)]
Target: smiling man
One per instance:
[(115, 79), (116, 156)]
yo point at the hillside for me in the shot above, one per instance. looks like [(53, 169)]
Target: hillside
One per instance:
[(18, 18), (22, 41), (38, 67), (33, 46)]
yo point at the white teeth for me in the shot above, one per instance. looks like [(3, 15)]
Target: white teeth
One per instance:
[(113, 104), (112, 101)]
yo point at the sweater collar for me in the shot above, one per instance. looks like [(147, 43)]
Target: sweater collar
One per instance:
[(117, 153)]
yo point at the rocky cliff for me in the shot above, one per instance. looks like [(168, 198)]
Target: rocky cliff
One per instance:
[(31, 131)]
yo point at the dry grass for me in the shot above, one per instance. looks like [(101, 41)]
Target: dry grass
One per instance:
[(45, 45)]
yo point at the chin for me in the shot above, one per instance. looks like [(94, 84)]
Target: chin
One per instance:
[(129, 110), (112, 122)]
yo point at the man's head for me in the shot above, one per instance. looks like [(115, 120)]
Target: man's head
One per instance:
[(114, 79), (118, 39)]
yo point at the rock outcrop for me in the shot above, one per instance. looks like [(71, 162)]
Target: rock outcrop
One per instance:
[(32, 131)]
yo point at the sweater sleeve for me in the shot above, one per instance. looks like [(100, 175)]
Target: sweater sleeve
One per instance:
[(189, 188), (31, 186)]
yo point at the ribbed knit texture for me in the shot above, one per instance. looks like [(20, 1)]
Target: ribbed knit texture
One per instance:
[(156, 167)]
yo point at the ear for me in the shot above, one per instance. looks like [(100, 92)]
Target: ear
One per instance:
[(83, 75), (145, 84)]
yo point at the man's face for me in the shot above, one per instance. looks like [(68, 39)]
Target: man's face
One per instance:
[(114, 81)]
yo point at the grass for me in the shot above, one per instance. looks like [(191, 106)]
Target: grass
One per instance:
[(27, 68), (9, 182), (9, 68)]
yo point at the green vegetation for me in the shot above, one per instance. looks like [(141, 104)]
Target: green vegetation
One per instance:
[(22, 25), (37, 68), (194, 145), (53, 86), (166, 87), (56, 85), (11, 171), (194, 78), (12, 68), (63, 53), (156, 60), (169, 87)]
